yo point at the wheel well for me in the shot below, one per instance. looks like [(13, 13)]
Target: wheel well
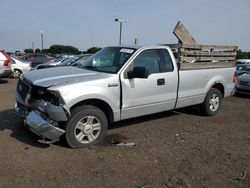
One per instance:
[(220, 87), (17, 69), (99, 104)]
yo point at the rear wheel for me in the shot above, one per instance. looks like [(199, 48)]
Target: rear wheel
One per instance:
[(212, 102), (86, 127)]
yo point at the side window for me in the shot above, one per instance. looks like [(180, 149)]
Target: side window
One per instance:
[(166, 64), (149, 59)]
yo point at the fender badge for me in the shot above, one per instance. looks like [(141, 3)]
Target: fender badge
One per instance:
[(113, 85)]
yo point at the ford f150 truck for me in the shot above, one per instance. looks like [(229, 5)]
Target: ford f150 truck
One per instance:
[(115, 84)]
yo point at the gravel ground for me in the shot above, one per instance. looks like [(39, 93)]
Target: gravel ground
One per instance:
[(173, 149)]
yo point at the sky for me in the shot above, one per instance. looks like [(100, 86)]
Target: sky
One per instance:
[(88, 23)]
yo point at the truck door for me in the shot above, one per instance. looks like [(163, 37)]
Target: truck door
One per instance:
[(158, 92)]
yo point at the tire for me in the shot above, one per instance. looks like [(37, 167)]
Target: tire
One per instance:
[(16, 73), (86, 127), (211, 105)]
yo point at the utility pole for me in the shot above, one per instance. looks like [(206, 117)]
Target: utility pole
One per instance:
[(42, 39), (33, 46), (120, 21)]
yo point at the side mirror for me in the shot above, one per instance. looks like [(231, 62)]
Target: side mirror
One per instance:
[(138, 72)]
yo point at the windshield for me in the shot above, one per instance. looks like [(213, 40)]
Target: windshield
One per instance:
[(109, 59)]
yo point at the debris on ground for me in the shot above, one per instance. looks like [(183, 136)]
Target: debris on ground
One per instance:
[(126, 144), (115, 139), (242, 177), (178, 182)]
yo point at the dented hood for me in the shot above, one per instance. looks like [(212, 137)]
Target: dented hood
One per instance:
[(61, 75)]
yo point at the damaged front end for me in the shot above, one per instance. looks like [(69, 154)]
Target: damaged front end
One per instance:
[(42, 109)]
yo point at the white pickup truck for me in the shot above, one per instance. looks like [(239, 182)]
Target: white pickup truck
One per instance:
[(116, 83)]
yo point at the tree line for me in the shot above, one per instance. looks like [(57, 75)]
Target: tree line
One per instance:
[(58, 49), (243, 55)]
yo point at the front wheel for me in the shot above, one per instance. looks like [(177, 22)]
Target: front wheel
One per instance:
[(211, 105), (86, 127)]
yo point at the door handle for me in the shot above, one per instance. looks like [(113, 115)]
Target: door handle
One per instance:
[(161, 81)]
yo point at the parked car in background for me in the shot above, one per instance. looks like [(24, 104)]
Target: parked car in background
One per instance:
[(243, 61), (19, 66), (242, 68), (243, 80), (5, 66), (73, 61), (37, 59), (64, 55), (50, 64), (61, 60)]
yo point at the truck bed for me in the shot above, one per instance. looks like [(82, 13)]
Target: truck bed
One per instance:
[(194, 84)]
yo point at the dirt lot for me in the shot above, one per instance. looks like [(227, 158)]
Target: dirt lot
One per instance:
[(173, 149)]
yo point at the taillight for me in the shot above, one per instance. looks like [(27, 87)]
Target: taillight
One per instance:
[(235, 77), (6, 63)]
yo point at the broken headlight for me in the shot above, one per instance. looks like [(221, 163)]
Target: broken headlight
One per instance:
[(50, 96)]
